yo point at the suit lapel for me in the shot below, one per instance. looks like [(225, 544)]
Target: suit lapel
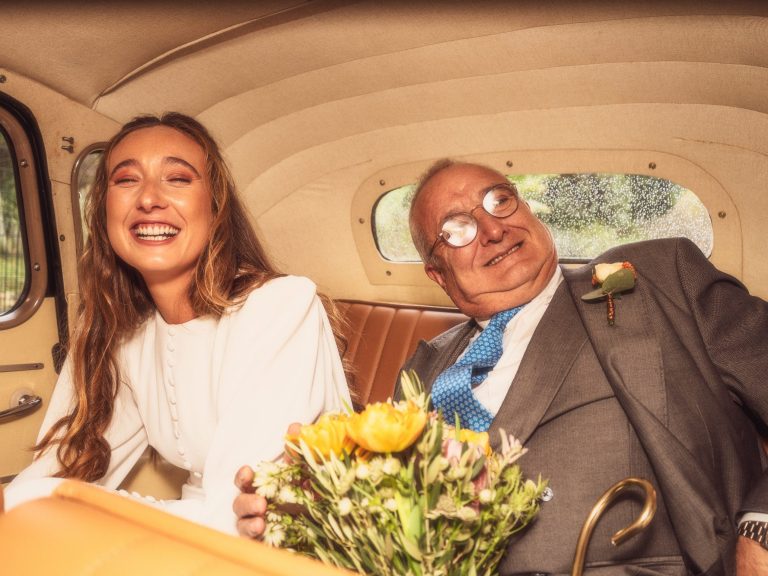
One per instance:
[(628, 350), (430, 359), (550, 354)]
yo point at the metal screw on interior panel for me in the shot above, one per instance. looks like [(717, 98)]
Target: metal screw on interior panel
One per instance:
[(23, 163), (69, 146), (652, 165), (36, 267), (388, 273), (361, 220), (2, 78), (721, 214), (381, 182), (62, 237), (509, 163)]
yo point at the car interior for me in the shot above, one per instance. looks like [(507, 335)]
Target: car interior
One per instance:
[(328, 111)]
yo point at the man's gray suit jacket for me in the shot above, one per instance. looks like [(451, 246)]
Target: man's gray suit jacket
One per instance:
[(686, 365)]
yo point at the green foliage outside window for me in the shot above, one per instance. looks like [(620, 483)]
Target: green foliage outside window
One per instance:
[(12, 262), (587, 213)]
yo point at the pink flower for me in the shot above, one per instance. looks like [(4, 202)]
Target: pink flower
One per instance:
[(452, 450)]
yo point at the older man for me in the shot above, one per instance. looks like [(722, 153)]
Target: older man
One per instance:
[(672, 392)]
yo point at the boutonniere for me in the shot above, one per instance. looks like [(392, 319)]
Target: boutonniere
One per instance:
[(611, 279)]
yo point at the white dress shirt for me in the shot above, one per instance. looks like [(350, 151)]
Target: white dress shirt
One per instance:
[(517, 335)]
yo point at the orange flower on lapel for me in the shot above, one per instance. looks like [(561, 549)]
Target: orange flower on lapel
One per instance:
[(611, 279)]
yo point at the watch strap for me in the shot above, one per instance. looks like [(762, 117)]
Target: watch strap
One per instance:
[(755, 530)]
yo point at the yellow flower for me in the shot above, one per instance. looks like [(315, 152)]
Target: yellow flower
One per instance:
[(479, 439), (326, 436), (382, 427)]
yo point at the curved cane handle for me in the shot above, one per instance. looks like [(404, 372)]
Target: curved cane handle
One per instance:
[(640, 523)]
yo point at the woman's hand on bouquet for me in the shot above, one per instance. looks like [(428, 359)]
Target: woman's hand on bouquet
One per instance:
[(249, 507)]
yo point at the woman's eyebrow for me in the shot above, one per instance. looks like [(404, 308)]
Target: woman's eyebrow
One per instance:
[(123, 164), (168, 160), (182, 162)]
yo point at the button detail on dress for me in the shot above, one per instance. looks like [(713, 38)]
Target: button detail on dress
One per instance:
[(170, 347), (171, 331), (547, 494)]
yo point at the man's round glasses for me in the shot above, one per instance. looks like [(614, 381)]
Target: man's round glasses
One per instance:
[(459, 230)]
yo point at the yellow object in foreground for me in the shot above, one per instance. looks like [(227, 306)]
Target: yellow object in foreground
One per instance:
[(82, 529), (479, 439), (384, 428), (326, 436)]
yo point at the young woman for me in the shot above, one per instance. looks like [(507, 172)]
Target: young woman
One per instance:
[(188, 339)]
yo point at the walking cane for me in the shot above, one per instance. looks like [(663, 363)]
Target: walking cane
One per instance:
[(640, 523)]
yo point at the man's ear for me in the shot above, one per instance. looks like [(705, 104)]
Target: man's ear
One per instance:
[(435, 275)]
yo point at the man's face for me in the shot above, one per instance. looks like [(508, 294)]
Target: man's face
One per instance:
[(509, 262)]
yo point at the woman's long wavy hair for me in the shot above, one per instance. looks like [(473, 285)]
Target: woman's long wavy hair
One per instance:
[(115, 300)]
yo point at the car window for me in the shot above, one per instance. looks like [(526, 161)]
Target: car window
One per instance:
[(587, 213), (83, 176), (13, 266), (23, 258)]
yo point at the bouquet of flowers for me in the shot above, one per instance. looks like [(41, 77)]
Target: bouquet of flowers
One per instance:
[(396, 490)]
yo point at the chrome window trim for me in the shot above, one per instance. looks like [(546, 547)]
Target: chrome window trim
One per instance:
[(77, 216)]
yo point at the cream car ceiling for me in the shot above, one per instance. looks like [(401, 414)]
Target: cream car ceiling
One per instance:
[(310, 99)]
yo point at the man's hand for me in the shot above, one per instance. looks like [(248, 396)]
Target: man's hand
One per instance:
[(751, 558), (249, 506)]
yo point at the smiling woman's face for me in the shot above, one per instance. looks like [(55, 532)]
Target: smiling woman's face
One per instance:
[(509, 262), (158, 204)]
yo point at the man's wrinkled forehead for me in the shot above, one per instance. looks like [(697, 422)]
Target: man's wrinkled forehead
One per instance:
[(464, 180), (458, 184)]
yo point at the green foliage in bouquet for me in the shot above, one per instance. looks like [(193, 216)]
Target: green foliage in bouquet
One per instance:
[(395, 490)]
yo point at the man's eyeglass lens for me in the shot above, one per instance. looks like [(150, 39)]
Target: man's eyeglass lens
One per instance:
[(461, 229)]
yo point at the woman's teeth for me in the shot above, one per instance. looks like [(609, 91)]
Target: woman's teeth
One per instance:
[(155, 231)]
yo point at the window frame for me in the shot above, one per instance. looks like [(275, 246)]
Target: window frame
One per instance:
[(31, 219), (77, 215), (726, 224)]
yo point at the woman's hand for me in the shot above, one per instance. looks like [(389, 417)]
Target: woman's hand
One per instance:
[(248, 506)]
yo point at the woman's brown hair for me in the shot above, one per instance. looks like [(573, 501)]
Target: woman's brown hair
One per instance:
[(115, 300)]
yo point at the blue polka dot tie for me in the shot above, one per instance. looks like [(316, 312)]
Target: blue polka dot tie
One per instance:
[(452, 390)]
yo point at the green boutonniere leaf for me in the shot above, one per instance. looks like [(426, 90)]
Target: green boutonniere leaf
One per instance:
[(611, 279), (620, 281)]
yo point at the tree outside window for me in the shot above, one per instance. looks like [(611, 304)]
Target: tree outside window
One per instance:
[(12, 262), (587, 213)]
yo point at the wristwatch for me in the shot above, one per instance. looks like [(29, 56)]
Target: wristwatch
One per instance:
[(755, 530)]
